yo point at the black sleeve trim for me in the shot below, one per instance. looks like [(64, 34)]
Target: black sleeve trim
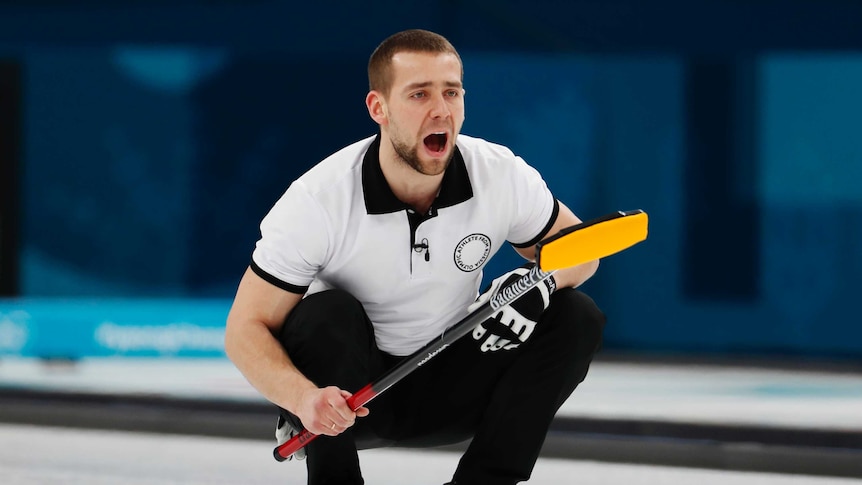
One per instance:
[(300, 290), (545, 230)]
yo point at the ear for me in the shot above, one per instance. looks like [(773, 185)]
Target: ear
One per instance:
[(376, 105)]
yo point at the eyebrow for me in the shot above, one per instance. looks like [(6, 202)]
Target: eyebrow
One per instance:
[(425, 84)]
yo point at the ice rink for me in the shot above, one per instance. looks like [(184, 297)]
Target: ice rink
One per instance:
[(139, 422), (34, 455)]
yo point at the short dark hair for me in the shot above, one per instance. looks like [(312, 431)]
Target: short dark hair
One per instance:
[(413, 40)]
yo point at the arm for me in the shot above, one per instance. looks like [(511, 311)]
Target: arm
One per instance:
[(513, 325), (569, 277), (257, 314)]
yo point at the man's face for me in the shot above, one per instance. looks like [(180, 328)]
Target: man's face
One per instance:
[(424, 110)]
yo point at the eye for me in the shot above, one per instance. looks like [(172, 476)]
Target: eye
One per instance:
[(418, 95), (453, 93)]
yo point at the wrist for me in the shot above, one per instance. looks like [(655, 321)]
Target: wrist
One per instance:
[(296, 394), (551, 284)]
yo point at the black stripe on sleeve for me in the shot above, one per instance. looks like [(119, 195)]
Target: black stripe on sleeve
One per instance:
[(300, 290), (545, 230)]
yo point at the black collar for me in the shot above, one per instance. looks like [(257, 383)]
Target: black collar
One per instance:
[(379, 199)]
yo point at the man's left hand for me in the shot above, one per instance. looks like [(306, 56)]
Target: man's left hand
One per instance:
[(513, 324)]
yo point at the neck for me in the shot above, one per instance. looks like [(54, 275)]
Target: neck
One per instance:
[(409, 186)]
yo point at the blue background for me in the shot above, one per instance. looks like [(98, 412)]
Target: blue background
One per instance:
[(156, 135)]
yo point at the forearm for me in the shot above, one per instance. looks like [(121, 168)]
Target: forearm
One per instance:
[(264, 363), (575, 276), (251, 345), (569, 277)]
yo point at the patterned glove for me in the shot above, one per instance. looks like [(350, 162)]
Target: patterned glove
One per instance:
[(513, 324), (285, 430)]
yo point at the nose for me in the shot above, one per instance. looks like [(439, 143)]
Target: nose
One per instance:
[(440, 108)]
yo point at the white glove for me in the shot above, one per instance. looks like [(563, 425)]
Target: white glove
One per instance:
[(285, 431), (513, 324)]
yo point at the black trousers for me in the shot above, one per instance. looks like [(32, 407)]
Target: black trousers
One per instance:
[(504, 401)]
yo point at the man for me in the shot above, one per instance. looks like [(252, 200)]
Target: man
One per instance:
[(376, 251)]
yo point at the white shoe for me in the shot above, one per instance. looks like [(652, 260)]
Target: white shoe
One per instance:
[(285, 431)]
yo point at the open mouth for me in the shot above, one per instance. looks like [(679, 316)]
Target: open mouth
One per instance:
[(436, 142)]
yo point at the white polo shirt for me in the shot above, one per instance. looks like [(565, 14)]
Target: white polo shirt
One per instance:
[(340, 226)]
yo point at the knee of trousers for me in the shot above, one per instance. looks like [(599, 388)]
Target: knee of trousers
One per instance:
[(576, 319), (327, 327)]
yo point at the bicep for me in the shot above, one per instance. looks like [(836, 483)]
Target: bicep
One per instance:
[(258, 301), (565, 218)]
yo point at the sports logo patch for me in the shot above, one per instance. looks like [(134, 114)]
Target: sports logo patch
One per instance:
[(472, 252)]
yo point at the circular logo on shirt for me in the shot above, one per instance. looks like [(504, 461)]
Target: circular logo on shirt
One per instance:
[(472, 252)]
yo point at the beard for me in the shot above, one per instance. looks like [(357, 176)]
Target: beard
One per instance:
[(409, 155)]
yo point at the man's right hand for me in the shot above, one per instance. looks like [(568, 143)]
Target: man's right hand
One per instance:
[(326, 412)]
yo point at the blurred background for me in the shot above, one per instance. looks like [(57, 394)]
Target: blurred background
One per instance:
[(141, 142)]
